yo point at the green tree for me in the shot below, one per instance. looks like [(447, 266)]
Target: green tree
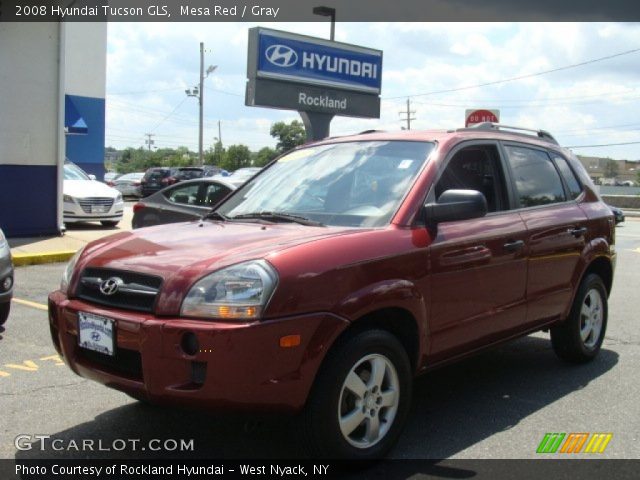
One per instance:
[(264, 156), (237, 156), (289, 135), (611, 169), (215, 155)]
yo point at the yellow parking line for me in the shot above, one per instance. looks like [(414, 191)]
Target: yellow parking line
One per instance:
[(31, 304)]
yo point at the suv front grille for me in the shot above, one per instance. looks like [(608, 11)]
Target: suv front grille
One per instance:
[(135, 291), (96, 204)]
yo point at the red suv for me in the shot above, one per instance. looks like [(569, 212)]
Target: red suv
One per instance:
[(345, 268)]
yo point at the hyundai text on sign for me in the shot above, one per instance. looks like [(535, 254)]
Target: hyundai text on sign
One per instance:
[(298, 58)]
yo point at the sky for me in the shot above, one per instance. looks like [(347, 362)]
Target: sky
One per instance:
[(438, 65)]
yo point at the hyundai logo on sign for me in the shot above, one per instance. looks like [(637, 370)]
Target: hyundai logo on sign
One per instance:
[(297, 58), (281, 55)]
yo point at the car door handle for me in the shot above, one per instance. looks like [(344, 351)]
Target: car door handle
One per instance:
[(577, 232), (478, 253), (514, 245)]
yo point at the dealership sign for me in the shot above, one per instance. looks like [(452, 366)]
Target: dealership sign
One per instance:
[(291, 71), (475, 116)]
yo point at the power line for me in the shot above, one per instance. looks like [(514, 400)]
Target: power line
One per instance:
[(521, 77), (603, 145)]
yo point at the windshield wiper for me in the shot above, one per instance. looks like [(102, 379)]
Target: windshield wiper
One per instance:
[(216, 215), (287, 217)]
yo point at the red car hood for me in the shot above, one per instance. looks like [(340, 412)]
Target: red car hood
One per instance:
[(192, 249)]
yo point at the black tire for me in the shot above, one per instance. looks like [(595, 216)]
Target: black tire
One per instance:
[(109, 223), (567, 338), (4, 312), (330, 398)]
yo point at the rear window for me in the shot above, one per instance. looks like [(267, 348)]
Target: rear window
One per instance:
[(537, 180), (156, 174)]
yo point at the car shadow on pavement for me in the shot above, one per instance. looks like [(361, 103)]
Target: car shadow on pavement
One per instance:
[(453, 408)]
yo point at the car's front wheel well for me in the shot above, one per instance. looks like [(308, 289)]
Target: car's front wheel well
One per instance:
[(601, 266), (398, 322)]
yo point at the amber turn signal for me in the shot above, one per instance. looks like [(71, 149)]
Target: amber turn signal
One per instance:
[(290, 341)]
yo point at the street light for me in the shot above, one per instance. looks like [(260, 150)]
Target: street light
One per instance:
[(327, 12), (198, 92)]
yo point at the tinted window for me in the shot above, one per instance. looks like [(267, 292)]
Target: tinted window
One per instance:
[(537, 180), (214, 193), (575, 189), (476, 168), (187, 195)]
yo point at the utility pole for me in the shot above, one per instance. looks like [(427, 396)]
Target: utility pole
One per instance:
[(148, 141), (408, 114), (198, 92), (200, 100), (219, 133)]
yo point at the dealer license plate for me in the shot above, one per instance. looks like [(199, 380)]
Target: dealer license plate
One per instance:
[(96, 333), (99, 209)]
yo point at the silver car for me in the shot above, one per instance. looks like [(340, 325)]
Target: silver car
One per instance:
[(128, 185), (6, 279)]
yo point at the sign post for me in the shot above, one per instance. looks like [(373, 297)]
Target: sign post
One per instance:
[(317, 77)]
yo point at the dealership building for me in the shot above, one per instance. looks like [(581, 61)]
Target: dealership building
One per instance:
[(53, 76)]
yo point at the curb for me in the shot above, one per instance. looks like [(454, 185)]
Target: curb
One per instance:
[(22, 259)]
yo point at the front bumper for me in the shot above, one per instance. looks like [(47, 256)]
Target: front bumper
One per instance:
[(73, 212), (237, 366), (6, 270)]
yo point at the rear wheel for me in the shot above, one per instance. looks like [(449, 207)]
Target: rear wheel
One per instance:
[(578, 339), (109, 223), (361, 398), (4, 312)]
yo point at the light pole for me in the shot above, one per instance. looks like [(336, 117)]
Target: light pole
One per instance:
[(327, 12), (198, 92)]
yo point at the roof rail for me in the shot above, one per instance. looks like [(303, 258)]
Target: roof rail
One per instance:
[(366, 132), (489, 126)]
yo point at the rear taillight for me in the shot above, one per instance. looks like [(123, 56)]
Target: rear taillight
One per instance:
[(111, 184), (138, 206), (135, 184), (171, 180)]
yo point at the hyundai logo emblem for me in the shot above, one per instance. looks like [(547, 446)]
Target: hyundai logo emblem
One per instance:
[(95, 336), (281, 55), (110, 286)]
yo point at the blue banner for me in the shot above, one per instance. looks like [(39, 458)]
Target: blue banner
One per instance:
[(318, 64)]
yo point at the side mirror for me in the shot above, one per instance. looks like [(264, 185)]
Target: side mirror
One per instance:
[(456, 205), (92, 176)]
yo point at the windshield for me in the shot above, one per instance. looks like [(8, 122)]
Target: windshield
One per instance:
[(73, 172), (359, 184)]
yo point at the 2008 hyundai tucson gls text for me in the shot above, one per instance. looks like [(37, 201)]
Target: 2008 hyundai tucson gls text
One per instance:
[(345, 268)]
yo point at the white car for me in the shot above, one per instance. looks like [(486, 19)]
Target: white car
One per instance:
[(87, 200)]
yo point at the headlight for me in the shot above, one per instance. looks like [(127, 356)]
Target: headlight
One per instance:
[(119, 198), (67, 198), (68, 271), (239, 292)]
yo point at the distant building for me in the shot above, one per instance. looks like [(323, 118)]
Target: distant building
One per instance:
[(595, 166)]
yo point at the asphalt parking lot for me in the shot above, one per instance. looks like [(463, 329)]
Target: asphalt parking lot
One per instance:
[(496, 405)]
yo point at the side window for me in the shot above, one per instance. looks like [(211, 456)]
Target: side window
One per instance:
[(537, 180), (476, 168), (185, 195), (575, 189), (214, 192)]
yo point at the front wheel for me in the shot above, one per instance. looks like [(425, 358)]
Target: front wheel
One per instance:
[(578, 339), (361, 398)]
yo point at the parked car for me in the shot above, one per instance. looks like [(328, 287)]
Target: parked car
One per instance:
[(337, 274), (87, 200), (618, 214), (186, 201), (157, 178), (110, 176), (6, 278), (128, 184)]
